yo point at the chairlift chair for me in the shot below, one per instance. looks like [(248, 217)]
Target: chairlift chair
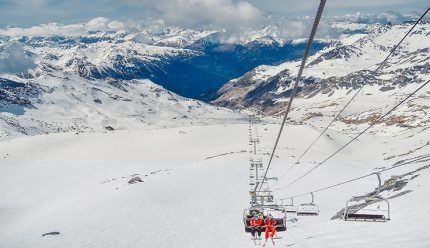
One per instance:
[(362, 208), (308, 209), (278, 213), (290, 208)]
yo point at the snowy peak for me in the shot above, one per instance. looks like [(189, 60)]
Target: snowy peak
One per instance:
[(338, 69)]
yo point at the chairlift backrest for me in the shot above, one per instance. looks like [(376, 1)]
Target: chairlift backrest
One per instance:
[(290, 208), (357, 208), (308, 209)]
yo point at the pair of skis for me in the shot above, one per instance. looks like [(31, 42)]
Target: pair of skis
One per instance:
[(259, 240), (273, 242), (255, 238)]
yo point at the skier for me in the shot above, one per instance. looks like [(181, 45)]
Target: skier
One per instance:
[(256, 226), (261, 216), (270, 225)]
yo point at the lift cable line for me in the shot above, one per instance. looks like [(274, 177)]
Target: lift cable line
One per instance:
[(299, 76), (358, 178), (356, 93), (361, 133)]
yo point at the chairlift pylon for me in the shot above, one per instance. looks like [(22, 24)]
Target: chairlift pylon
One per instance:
[(262, 201), (358, 208)]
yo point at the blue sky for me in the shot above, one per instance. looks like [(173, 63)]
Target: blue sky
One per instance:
[(25, 13)]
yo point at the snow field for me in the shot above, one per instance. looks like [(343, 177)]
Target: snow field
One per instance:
[(78, 185)]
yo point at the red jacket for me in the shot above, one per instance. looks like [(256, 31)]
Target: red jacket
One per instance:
[(270, 222), (256, 222)]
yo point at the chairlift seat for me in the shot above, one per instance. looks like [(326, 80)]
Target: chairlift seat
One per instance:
[(358, 208), (290, 209), (281, 221), (280, 226), (307, 213), (307, 210), (365, 217)]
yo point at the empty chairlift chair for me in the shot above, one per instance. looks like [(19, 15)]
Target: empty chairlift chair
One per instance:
[(290, 208), (368, 208), (308, 209)]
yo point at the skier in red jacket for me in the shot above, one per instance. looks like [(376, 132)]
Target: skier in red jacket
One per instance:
[(270, 225), (256, 227)]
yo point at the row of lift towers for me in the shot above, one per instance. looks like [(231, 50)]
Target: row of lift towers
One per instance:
[(262, 199)]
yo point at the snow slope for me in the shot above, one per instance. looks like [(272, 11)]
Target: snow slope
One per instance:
[(64, 102), (196, 187)]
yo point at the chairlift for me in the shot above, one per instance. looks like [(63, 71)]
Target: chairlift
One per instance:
[(308, 209), (278, 213), (290, 208), (368, 208)]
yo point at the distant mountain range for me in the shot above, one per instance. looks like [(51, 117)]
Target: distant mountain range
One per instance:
[(188, 62), (73, 78), (344, 66)]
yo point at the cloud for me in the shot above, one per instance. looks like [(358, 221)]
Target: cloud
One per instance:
[(382, 18), (204, 13), (237, 19), (14, 59), (25, 13), (300, 27), (248, 23), (285, 28), (51, 29), (296, 8), (105, 24)]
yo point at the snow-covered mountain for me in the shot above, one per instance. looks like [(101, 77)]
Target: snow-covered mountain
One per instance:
[(67, 102), (188, 62), (123, 162), (335, 72)]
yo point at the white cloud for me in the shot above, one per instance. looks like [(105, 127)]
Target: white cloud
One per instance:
[(105, 24), (13, 59), (382, 18), (286, 28), (96, 24), (239, 21), (204, 13)]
